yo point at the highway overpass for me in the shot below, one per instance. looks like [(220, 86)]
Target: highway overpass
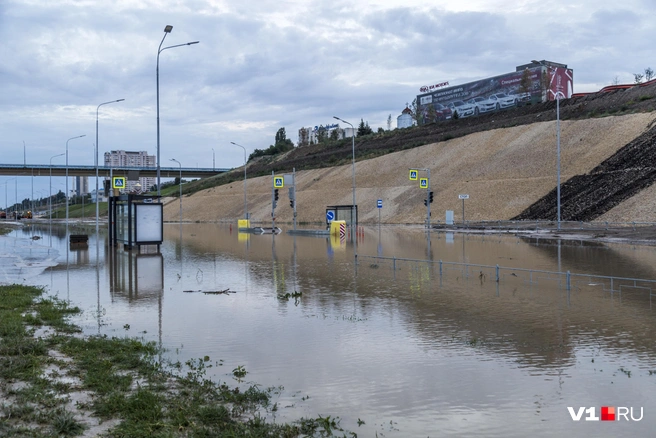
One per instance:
[(77, 170)]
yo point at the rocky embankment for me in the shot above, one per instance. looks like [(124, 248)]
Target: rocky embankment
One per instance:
[(586, 197)]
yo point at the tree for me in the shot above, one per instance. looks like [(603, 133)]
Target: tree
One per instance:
[(431, 115), (303, 137), (381, 130), (413, 108), (364, 129), (545, 82), (281, 135), (649, 74), (282, 144), (638, 77), (525, 83), (322, 136), (389, 122), (334, 134), (616, 81)]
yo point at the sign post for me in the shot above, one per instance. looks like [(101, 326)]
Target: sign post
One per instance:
[(463, 197), (379, 204), (424, 183)]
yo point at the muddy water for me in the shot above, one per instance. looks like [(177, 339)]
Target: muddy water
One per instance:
[(413, 349)]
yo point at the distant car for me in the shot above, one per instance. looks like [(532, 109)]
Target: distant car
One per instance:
[(443, 112), (503, 100), (435, 112), (523, 98), (3, 215), (461, 109), (482, 105)]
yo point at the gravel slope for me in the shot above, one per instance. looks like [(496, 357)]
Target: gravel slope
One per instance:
[(503, 170)]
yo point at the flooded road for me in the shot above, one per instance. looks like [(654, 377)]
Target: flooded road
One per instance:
[(428, 335)]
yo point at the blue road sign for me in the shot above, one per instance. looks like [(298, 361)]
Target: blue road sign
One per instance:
[(380, 203), (330, 215), (278, 182)]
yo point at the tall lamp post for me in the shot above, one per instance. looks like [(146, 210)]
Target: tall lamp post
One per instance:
[(180, 184), (558, 153), (72, 138), (16, 195), (50, 197), (97, 110), (167, 30), (353, 216), (245, 198), (213, 160)]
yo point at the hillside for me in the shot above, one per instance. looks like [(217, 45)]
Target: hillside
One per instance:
[(504, 170), (505, 161)]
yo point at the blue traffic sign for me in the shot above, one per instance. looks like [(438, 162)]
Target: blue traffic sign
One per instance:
[(330, 215), (380, 203)]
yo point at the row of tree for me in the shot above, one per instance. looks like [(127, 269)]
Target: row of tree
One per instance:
[(324, 135), (282, 144), (648, 75), (26, 204)]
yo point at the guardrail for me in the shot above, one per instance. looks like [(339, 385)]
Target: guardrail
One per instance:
[(497, 273), (538, 225)]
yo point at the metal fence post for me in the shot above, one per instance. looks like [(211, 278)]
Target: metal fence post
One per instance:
[(569, 280), (497, 270)]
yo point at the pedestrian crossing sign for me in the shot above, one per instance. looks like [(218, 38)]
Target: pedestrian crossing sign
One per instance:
[(423, 183), (118, 182), (413, 175), (278, 182)]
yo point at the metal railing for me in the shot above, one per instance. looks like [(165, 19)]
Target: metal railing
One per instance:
[(499, 274), (538, 225)]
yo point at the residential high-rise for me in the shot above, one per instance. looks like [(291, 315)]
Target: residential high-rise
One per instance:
[(120, 158)]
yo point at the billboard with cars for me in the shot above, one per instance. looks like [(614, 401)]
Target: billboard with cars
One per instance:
[(526, 86)]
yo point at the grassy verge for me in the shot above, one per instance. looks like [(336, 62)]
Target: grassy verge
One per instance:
[(125, 386), (87, 211)]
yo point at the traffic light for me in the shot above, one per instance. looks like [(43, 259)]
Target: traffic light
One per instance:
[(275, 194), (291, 203), (430, 197), (425, 202)]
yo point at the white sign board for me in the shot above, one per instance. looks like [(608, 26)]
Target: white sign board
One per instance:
[(149, 223), (449, 217), (463, 196)]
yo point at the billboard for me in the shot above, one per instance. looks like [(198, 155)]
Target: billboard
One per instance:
[(531, 85)]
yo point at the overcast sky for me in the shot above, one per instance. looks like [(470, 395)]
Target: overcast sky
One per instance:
[(263, 64)]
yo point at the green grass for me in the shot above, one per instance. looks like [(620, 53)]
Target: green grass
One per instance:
[(151, 399), (77, 211)]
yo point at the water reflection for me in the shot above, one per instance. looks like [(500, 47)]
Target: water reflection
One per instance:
[(135, 276), (411, 348)]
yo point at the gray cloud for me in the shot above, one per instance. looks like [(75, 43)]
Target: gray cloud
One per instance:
[(263, 65)]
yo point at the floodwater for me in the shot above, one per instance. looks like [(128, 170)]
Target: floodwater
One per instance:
[(491, 337)]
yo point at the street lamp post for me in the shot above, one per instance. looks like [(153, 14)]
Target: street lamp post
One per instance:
[(72, 138), (50, 197), (167, 30), (558, 153), (180, 183), (15, 196), (213, 160), (353, 216), (97, 110), (6, 199), (245, 198)]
